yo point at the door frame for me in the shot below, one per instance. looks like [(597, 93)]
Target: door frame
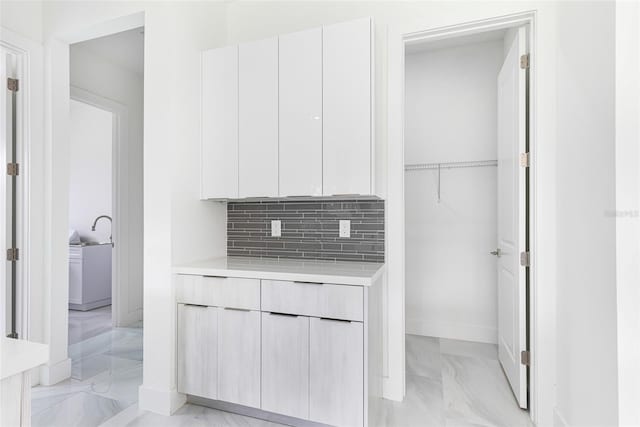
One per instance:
[(541, 317), (119, 196), (29, 105)]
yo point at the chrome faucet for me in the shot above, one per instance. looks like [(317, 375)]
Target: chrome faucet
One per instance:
[(95, 221)]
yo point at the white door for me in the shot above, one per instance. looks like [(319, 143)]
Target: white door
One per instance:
[(258, 118), (219, 139), (300, 118), (239, 356), (285, 364), (346, 97), (512, 322)]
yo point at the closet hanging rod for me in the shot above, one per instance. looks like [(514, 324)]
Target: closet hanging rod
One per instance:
[(450, 165)]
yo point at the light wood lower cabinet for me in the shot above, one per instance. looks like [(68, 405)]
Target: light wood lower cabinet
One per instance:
[(336, 375), (198, 350), (285, 364), (294, 359), (239, 356)]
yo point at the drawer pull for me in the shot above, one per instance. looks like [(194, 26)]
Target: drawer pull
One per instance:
[(196, 305), (335, 320), (282, 314), (236, 309), (216, 277), (308, 283)]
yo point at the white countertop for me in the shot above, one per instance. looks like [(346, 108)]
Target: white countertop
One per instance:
[(20, 355), (338, 272)]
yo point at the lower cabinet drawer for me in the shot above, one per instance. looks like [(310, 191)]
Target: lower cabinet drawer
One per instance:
[(313, 299), (218, 291)]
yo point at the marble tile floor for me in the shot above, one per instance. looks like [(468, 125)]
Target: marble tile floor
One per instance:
[(449, 383), (87, 324), (454, 383), (106, 372)]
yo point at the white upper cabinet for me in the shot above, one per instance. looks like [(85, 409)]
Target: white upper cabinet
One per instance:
[(289, 115), (300, 89), (219, 124), (347, 152), (258, 118)]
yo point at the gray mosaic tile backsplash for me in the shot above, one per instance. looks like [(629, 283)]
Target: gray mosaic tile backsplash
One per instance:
[(309, 229)]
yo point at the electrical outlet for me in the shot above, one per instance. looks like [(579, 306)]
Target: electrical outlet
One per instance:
[(276, 229), (345, 228)]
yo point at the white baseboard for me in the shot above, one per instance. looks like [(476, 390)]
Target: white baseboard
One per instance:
[(91, 305), (163, 402), (51, 374), (455, 331), (558, 419), (130, 318), (392, 390)]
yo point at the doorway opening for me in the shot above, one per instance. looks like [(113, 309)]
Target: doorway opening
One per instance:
[(105, 222), (467, 224), (91, 197)]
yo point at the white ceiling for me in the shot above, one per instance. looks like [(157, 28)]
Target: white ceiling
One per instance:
[(424, 46), (125, 49)]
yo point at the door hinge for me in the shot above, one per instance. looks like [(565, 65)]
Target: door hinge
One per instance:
[(525, 160), (13, 169), (525, 259), (13, 84), (525, 357), (524, 61), (13, 254)]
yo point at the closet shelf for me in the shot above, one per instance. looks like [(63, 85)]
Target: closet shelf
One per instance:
[(450, 165)]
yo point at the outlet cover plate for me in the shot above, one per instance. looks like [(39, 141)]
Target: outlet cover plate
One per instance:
[(345, 228), (276, 228)]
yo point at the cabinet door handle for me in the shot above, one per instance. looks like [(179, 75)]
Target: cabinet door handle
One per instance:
[(236, 309), (196, 305), (282, 314), (335, 320), (308, 283), (217, 277)]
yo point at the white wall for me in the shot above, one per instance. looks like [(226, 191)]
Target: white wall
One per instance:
[(587, 393), (628, 209), (107, 80), (22, 17), (450, 113), (90, 170)]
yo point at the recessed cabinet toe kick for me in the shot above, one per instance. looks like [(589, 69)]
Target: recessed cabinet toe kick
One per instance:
[(299, 353)]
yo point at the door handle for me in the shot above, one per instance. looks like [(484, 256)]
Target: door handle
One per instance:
[(497, 252)]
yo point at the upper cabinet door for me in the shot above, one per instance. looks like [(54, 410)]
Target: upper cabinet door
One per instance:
[(347, 154), (258, 118), (300, 91), (219, 124)]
